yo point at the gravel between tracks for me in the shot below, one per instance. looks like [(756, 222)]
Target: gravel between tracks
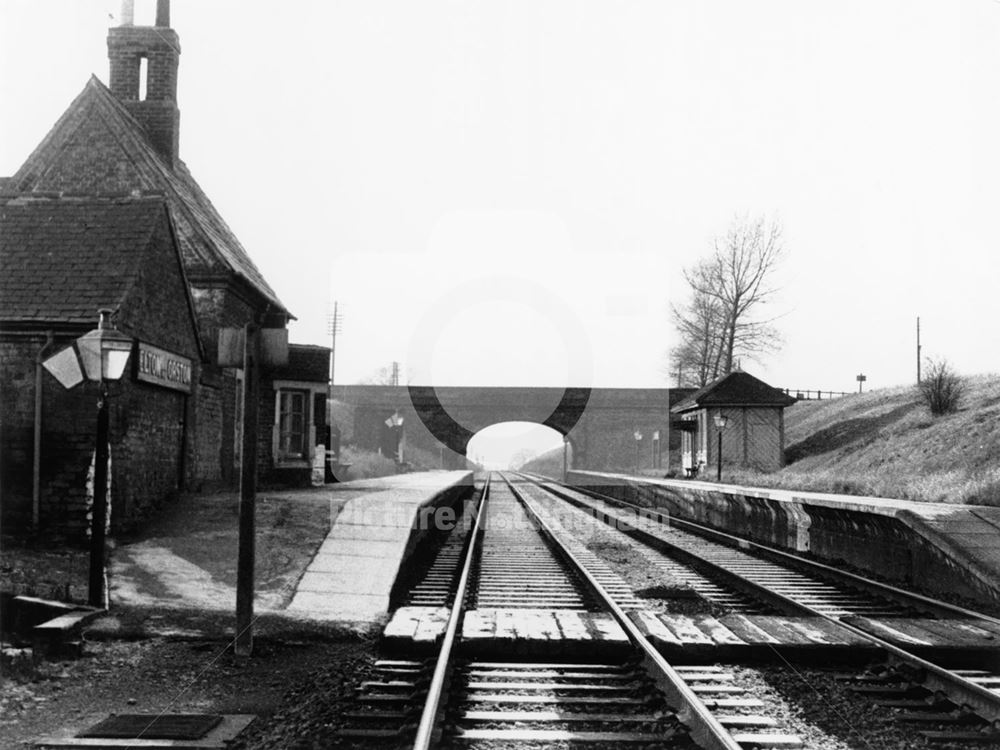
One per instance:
[(635, 563), (811, 703)]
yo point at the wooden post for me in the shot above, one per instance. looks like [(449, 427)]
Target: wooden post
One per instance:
[(248, 493), (97, 593)]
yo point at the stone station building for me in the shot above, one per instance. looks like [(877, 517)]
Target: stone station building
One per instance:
[(110, 169)]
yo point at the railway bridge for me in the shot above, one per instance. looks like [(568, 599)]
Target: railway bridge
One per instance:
[(600, 424)]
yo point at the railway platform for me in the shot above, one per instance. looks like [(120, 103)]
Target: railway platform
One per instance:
[(953, 549), (376, 531)]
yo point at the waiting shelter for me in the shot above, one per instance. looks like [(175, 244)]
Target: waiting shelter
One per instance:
[(745, 411)]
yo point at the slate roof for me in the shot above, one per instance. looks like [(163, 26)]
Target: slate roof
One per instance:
[(97, 147), (62, 260), (735, 389)]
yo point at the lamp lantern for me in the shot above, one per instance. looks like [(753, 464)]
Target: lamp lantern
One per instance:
[(98, 355)]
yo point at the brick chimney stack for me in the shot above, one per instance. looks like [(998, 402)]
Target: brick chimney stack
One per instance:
[(159, 47)]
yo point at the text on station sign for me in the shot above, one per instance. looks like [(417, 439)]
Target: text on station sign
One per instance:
[(163, 368)]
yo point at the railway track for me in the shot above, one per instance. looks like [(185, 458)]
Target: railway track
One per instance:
[(731, 565), (518, 558), (964, 702)]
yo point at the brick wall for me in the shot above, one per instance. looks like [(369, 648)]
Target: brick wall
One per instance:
[(154, 426), (148, 435), (153, 452), (219, 307), (158, 112), (208, 432), (69, 426)]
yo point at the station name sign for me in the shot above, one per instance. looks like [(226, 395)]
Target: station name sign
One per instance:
[(160, 367)]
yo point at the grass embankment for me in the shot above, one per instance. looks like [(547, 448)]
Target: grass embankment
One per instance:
[(886, 443), (549, 464), (883, 443)]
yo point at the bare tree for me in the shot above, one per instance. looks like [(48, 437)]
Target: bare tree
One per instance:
[(697, 356), (940, 388), (720, 321), (388, 375)]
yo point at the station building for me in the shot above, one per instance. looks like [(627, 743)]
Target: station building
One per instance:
[(111, 164), (749, 415)]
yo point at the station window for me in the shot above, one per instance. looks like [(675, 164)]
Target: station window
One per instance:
[(292, 424)]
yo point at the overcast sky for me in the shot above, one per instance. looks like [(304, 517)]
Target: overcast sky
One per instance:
[(506, 192)]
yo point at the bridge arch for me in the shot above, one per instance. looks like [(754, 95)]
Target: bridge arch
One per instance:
[(599, 423), (508, 445)]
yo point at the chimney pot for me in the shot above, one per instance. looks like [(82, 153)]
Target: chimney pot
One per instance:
[(128, 13), (163, 13)]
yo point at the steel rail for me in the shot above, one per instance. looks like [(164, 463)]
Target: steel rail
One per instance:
[(909, 598), (704, 727), (979, 699), (435, 692)]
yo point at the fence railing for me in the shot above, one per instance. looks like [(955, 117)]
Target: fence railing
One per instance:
[(805, 394)]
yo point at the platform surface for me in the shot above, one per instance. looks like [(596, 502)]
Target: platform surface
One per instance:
[(355, 568)]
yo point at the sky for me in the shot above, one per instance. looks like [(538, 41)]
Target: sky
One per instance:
[(506, 193)]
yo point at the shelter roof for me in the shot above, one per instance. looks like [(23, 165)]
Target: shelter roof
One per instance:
[(737, 388)]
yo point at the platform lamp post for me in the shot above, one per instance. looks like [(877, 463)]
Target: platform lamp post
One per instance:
[(99, 356), (638, 441), (721, 420), (395, 425)]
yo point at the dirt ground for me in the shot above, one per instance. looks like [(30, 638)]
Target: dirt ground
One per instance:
[(186, 556), (165, 646), (142, 660)]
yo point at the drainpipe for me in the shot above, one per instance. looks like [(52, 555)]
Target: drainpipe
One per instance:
[(36, 461)]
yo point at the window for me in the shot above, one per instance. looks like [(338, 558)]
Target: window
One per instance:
[(143, 78), (292, 424), (297, 403)]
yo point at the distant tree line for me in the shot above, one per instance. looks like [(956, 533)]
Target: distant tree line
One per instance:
[(720, 321)]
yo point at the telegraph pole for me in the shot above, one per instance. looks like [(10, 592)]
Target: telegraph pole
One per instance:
[(918, 350), (334, 325)]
